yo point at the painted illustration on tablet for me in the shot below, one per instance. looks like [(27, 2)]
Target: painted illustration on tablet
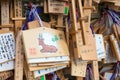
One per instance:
[(45, 43)]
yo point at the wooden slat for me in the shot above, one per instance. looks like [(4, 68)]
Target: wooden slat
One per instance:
[(60, 22), (28, 74), (33, 24), (17, 14), (67, 32), (83, 26), (82, 47), (19, 58), (19, 55), (6, 26), (95, 70), (19, 18), (4, 12), (45, 6), (18, 8), (75, 37), (97, 1), (79, 78), (88, 48), (116, 33), (60, 74), (115, 45)]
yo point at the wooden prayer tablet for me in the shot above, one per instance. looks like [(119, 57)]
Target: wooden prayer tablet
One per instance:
[(88, 51), (79, 69), (35, 68), (46, 71), (115, 45), (110, 57), (100, 46), (44, 43), (49, 63), (49, 59), (7, 66), (55, 6), (33, 24), (7, 46), (84, 41), (108, 75)]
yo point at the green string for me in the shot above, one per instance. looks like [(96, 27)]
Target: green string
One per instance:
[(42, 77), (66, 11)]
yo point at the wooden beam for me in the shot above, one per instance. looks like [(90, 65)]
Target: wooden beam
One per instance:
[(7, 26), (19, 19)]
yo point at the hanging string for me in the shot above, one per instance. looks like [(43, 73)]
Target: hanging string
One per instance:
[(89, 73), (32, 15), (116, 72)]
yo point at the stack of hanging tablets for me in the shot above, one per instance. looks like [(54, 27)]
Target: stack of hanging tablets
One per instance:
[(7, 51), (45, 50)]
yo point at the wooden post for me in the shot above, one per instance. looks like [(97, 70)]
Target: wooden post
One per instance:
[(5, 14), (18, 14), (19, 56)]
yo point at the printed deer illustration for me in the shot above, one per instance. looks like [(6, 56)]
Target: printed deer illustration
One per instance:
[(45, 47)]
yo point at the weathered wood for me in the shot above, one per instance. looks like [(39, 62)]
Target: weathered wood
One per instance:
[(67, 32), (19, 58), (82, 47), (95, 70), (6, 75), (19, 19), (5, 19), (75, 37), (60, 22), (19, 55), (7, 26), (60, 74), (79, 78), (55, 6), (115, 45), (4, 12), (17, 14)]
